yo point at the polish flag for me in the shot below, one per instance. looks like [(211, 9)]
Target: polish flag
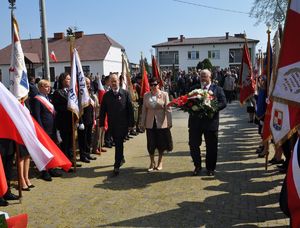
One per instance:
[(18, 125), (101, 90), (53, 56), (3, 183), (285, 117)]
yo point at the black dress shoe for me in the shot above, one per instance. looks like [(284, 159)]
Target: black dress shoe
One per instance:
[(31, 186), (10, 196), (116, 171), (77, 165), (196, 171), (3, 202), (122, 162), (26, 189), (46, 176), (107, 145), (85, 160), (274, 161), (55, 173), (133, 133), (210, 173), (90, 157)]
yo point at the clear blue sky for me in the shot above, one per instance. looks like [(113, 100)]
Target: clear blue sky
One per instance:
[(136, 24)]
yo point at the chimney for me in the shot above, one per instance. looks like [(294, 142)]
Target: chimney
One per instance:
[(227, 35), (181, 38), (239, 35), (59, 35), (78, 34)]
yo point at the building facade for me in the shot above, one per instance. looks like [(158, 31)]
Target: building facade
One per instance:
[(99, 55), (185, 53)]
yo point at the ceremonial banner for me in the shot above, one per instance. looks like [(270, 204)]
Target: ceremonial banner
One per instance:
[(19, 85), (287, 84), (246, 81), (293, 186), (78, 97), (145, 83), (18, 125), (155, 72)]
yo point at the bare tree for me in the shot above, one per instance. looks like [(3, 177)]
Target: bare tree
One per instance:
[(269, 11)]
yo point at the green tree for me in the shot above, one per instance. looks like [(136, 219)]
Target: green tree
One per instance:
[(206, 64), (269, 11)]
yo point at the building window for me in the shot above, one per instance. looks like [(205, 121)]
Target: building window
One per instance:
[(86, 70), (214, 54), (68, 69), (193, 54), (235, 55), (52, 74), (168, 57)]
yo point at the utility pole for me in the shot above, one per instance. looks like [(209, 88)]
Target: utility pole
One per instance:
[(45, 50)]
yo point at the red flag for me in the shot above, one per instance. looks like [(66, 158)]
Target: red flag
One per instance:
[(18, 221), (293, 186), (155, 72), (145, 83), (246, 81), (53, 56), (3, 183), (18, 125), (285, 117)]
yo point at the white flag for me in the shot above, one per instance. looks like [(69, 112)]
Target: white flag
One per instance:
[(19, 85), (79, 97)]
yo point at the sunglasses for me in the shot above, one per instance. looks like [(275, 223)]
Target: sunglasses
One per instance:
[(154, 84)]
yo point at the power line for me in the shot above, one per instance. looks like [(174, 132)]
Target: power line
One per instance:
[(212, 7)]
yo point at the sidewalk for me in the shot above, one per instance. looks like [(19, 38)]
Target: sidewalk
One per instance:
[(242, 193)]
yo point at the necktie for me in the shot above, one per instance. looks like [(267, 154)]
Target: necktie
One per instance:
[(204, 87)]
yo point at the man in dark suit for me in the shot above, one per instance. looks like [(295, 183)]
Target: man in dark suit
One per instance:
[(117, 105), (209, 127), (43, 111)]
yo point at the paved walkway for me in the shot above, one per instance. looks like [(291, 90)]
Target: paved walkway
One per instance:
[(242, 194)]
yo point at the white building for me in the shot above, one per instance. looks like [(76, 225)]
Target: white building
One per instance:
[(99, 54), (185, 53)]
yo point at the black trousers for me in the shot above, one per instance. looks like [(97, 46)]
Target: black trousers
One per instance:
[(66, 144), (211, 142), (118, 137), (85, 140)]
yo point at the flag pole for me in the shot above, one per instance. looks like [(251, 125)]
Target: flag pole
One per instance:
[(267, 144), (12, 7), (72, 40)]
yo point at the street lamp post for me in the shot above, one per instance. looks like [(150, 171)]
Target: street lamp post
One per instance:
[(44, 41)]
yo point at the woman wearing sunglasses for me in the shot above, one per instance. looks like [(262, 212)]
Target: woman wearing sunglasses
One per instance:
[(157, 119)]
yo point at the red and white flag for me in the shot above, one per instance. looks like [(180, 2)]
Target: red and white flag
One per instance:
[(78, 97), (246, 81), (3, 183), (19, 85), (53, 56), (285, 117), (293, 186), (17, 124), (101, 90)]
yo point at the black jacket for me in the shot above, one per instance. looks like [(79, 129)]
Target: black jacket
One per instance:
[(118, 108), (206, 123)]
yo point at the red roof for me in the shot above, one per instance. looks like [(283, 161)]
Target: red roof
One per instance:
[(90, 48)]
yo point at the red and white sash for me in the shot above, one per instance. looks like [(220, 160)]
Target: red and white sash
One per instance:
[(46, 103)]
